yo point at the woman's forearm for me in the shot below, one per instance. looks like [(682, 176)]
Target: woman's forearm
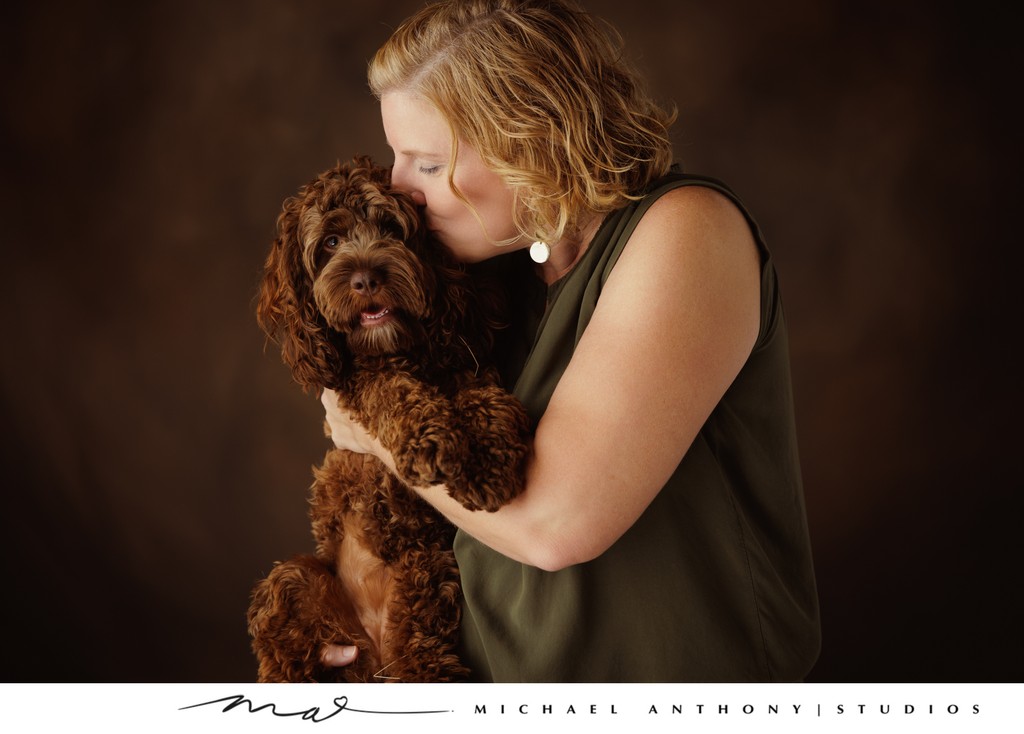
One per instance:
[(511, 530)]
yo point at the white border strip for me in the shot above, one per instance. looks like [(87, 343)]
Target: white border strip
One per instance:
[(249, 707)]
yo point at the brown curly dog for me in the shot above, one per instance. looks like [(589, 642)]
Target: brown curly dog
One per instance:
[(364, 302)]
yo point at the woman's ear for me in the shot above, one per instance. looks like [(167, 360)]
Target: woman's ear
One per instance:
[(286, 310)]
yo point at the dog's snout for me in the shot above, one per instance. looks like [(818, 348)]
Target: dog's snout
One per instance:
[(366, 282)]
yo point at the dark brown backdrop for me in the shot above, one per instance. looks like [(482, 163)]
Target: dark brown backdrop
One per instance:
[(155, 460)]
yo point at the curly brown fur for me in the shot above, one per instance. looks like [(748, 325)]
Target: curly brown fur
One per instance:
[(363, 302)]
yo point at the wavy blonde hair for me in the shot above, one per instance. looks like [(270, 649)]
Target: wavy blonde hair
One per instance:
[(541, 91)]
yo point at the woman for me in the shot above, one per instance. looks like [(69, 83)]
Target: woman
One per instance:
[(662, 535)]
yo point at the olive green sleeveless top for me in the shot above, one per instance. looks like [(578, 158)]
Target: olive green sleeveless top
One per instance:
[(714, 582)]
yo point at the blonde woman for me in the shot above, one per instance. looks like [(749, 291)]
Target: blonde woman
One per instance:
[(662, 533)]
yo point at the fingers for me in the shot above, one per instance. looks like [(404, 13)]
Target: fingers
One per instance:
[(339, 655)]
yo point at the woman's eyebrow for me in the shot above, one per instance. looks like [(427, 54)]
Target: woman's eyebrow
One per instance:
[(414, 153)]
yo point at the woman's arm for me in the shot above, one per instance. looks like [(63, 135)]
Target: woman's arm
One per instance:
[(676, 321)]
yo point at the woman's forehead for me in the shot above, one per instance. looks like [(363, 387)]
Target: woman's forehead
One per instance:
[(413, 126)]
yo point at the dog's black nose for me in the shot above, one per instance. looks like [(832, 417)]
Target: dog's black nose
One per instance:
[(366, 282)]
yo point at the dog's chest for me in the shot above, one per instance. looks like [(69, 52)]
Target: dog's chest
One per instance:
[(366, 579)]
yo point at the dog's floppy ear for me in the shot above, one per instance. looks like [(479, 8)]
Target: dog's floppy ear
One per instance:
[(287, 312)]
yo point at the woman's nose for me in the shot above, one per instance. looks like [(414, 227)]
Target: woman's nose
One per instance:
[(401, 181)]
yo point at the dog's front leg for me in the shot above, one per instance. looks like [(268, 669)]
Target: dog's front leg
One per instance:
[(415, 422), (494, 426)]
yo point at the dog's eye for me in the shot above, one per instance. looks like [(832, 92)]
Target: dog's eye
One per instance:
[(332, 241)]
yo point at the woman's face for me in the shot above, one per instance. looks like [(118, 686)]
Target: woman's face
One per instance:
[(421, 141)]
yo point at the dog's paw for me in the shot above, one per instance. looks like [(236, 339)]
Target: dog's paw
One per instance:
[(489, 487), (496, 430), (431, 458)]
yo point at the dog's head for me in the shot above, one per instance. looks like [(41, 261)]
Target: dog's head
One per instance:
[(351, 273)]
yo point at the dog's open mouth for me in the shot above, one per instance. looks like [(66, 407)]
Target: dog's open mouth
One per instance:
[(375, 317)]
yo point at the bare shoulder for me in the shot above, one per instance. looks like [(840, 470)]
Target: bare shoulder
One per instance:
[(694, 215), (695, 240)]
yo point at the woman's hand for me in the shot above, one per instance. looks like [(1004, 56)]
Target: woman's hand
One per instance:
[(338, 656), (346, 433)]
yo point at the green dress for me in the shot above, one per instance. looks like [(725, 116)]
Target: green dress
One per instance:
[(714, 582)]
